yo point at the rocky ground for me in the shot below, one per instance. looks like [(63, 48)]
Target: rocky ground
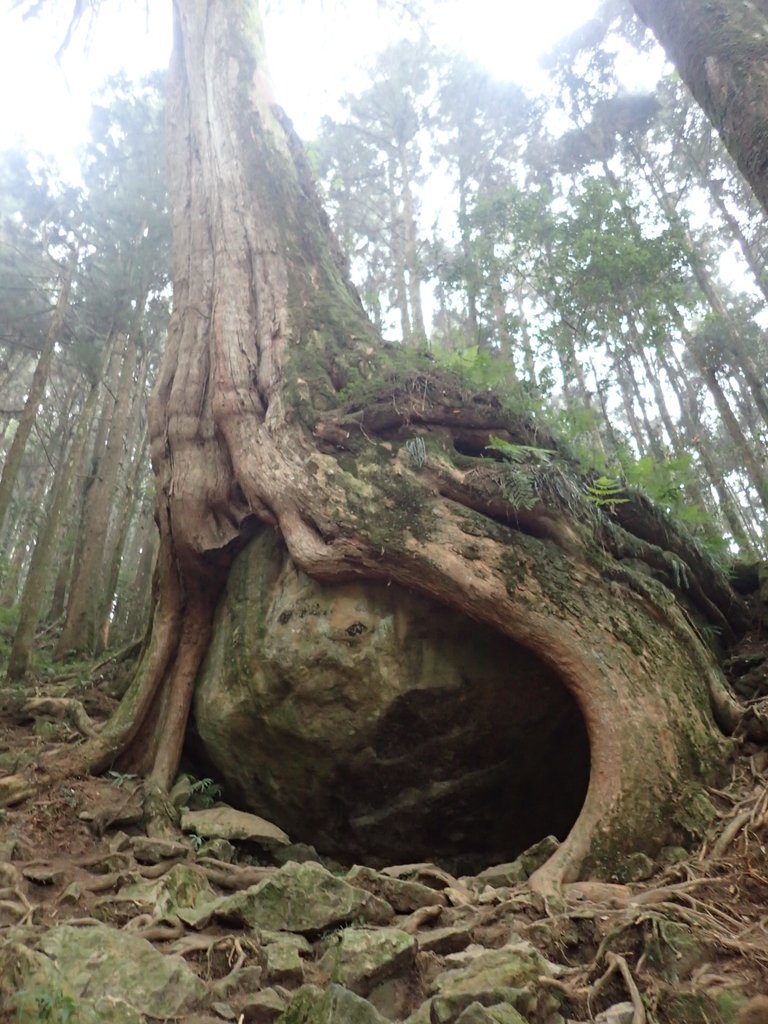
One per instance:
[(232, 922)]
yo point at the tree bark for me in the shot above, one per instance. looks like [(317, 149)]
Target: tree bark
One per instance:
[(720, 49)]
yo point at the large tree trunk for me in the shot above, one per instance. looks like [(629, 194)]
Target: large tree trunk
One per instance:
[(275, 409), (720, 49)]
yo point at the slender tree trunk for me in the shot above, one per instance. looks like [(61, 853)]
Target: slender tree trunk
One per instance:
[(65, 557), (720, 49), (751, 257), (12, 463), (651, 375), (133, 603), (410, 244), (127, 508), (498, 303), (114, 356), (129, 471), (574, 379), (80, 632), (575, 386), (398, 255), (734, 351), (743, 448), (659, 398), (33, 594), (13, 573), (22, 537), (741, 501), (529, 361), (697, 440), (114, 353), (641, 438), (471, 284), (652, 431)]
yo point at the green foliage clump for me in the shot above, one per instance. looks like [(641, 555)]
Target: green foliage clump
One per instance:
[(9, 619), (520, 453), (528, 475), (39, 1006), (204, 794)]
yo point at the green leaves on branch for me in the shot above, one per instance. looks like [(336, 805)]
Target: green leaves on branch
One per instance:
[(204, 794)]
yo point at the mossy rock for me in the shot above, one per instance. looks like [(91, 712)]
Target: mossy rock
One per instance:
[(302, 898), (312, 1005)]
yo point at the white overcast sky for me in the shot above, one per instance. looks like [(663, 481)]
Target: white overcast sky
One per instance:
[(316, 52)]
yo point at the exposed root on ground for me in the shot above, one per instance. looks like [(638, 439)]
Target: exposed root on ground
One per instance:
[(607, 942), (63, 708)]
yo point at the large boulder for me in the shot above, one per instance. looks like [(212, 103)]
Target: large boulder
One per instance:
[(380, 726)]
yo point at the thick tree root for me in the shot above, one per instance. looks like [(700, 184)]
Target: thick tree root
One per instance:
[(161, 817), (65, 709), (15, 789), (615, 961)]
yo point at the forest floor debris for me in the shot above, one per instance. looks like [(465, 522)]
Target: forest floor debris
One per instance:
[(687, 945)]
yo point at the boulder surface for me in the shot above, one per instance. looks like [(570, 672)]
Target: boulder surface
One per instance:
[(381, 726)]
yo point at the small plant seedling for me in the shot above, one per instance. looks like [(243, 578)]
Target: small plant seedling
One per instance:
[(120, 778), (205, 792)]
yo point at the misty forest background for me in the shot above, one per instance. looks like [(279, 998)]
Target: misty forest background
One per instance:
[(592, 252)]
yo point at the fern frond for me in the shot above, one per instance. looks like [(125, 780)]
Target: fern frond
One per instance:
[(519, 452), (517, 488), (606, 491)]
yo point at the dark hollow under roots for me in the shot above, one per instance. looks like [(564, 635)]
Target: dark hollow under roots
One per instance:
[(462, 775), (468, 780)]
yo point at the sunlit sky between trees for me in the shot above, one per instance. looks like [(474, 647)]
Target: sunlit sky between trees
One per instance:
[(317, 51)]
